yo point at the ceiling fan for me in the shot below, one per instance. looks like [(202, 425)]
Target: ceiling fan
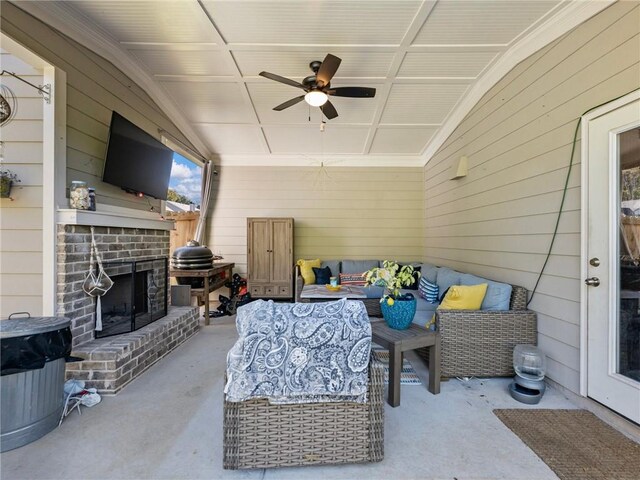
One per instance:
[(318, 87)]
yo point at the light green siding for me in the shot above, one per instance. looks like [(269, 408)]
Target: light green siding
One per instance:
[(339, 212), (95, 87), (21, 216), (498, 220)]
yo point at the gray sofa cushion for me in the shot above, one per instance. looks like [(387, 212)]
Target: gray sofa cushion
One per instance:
[(334, 266), (430, 272), (358, 266), (498, 296), (424, 313), (446, 278), (374, 292)]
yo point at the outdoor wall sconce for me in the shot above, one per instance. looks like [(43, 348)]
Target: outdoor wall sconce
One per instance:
[(459, 170)]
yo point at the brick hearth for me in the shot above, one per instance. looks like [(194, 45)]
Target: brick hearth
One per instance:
[(112, 362)]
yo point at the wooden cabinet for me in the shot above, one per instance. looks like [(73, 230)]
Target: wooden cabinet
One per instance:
[(270, 257)]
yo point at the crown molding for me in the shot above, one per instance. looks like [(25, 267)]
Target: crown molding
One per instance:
[(575, 13), (71, 23), (299, 160), (64, 18), (114, 217)]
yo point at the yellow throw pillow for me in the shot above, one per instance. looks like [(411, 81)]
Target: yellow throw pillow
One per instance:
[(464, 297), (461, 297), (306, 270)]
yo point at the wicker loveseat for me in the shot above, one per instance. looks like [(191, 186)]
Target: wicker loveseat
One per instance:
[(476, 343)]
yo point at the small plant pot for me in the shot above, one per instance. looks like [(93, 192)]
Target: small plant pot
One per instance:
[(5, 187), (399, 315)]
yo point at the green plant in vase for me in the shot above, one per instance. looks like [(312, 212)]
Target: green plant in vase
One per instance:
[(7, 178), (398, 310)]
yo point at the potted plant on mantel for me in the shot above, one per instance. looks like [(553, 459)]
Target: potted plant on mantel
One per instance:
[(398, 310), (7, 178)]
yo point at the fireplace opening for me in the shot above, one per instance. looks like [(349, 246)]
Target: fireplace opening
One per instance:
[(137, 298)]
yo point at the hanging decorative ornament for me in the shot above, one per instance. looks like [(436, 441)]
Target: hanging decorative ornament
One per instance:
[(96, 285), (8, 105), (5, 109)]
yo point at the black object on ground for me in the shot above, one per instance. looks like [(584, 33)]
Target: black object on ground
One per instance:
[(239, 296)]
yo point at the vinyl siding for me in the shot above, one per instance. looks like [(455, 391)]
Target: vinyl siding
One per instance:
[(498, 221), (339, 212), (95, 88), (21, 218)]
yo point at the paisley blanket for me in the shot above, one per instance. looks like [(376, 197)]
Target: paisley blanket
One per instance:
[(300, 352)]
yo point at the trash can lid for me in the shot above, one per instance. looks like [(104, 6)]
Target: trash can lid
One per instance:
[(20, 327)]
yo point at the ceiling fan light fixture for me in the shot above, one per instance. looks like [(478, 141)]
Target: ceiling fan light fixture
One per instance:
[(316, 98)]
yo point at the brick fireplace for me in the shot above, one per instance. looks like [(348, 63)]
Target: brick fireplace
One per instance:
[(112, 362)]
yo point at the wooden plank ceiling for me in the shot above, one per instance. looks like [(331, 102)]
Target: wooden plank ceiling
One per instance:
[(421, 56)]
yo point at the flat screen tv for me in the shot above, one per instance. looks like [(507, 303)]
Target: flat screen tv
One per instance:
[(136, 161)]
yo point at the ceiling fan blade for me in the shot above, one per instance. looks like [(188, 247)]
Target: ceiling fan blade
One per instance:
[(329, 110), (355, 92), (289, 103), (278, 78), (327, 70)]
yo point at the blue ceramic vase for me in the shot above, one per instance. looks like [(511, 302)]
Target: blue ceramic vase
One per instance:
[(399, 315)]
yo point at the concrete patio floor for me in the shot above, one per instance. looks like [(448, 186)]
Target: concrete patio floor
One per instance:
[(168, 424)]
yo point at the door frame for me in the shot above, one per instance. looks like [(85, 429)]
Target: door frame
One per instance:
[(54, 162), (584, 224)]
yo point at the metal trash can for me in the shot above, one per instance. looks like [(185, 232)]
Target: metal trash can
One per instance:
[(32, 377)]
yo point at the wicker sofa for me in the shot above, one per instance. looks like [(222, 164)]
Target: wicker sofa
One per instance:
[(476, 343), (260, 435), (480, 343)]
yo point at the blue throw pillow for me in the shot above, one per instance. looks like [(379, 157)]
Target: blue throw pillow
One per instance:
[(446, 278), (498, 296), (430, 272), (428, 290), (323, 275)]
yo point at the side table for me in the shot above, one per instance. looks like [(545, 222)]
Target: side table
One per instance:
[(214, 278), (400, 341)]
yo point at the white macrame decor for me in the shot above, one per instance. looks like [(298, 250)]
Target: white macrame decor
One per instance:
[(96, 285)]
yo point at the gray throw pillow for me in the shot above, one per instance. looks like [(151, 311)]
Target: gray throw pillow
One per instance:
[(498, 296), (358, 266)]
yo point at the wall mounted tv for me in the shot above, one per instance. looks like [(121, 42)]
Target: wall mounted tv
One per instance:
[(136, 161)]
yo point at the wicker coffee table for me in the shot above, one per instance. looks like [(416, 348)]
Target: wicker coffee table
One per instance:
[(400, 341)]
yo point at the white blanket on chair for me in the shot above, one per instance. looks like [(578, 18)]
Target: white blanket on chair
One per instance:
[(300, 353)]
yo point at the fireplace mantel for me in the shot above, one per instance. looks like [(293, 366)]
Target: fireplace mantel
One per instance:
[(110, 216)]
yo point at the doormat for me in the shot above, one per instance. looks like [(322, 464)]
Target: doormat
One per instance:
[(575, 444), (408, 376)]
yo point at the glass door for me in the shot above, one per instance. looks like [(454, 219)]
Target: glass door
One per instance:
[(612, 255), (628, 328)]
